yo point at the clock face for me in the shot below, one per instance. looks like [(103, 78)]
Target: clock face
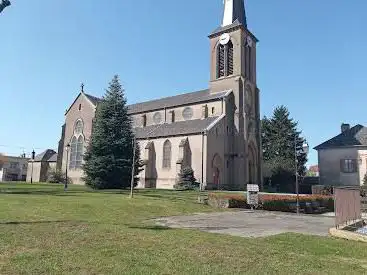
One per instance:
[(224, 39)]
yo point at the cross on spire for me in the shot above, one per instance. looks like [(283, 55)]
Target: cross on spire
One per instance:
[(82, 87), (234, 10)]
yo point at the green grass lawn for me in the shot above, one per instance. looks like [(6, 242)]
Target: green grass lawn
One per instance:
[(45, 231)]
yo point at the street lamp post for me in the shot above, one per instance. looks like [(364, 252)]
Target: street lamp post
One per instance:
[(33, 155), (133, 170), (66, 167), (304, 150)]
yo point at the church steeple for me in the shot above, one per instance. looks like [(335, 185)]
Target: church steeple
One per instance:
[(234, 10)]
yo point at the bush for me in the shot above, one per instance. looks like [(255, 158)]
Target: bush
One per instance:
[(284, 203), (57, 176), (365, 180), (186, 180)]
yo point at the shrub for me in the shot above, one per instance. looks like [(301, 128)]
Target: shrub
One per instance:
[(284, 203), (365, 180), (186, 180), (57, 176)]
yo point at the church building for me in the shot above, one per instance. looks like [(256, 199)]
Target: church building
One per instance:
[(215, 131)]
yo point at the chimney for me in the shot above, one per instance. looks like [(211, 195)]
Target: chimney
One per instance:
[(345, 127)]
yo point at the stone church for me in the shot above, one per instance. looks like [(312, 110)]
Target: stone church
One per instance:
[(215, 131)]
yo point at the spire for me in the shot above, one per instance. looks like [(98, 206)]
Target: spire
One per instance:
[(234, 10)]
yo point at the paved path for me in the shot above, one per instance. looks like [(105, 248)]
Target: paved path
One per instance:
[(252, 223)]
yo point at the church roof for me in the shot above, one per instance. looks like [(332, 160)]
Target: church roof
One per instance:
[(174, 101), (93, 99), (355, 136), (168, 102), (178, 128)]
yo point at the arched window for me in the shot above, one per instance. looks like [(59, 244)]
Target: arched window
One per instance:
[(248, 61), (79, 126), (79, 152), (220, 61), (167, 154), (229, 48), (73, 149), (225, 59)]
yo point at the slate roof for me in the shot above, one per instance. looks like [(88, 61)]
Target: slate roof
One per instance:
[(179, 128), (355, 136), (47, 156), (53, 158), (168, 102), (173, 101), (93, 99)]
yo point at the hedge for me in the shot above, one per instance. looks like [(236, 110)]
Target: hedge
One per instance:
[(284, 203)]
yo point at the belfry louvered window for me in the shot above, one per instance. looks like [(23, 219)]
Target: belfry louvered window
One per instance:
[(225, 60), (221, 61), (229, 48)]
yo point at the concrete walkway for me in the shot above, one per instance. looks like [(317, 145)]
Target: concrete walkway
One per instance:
[(252, 223)]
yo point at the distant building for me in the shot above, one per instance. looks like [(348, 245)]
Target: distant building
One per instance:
[(40, 168), (313, 171), (343, 158), (14, 169)]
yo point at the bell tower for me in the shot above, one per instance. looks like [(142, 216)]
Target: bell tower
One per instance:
[(233, 67)]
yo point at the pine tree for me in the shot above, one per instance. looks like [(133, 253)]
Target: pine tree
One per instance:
[(109, 156), (186, 179), (279, 134)]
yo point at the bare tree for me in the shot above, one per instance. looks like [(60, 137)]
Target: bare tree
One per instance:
[(4, 4)]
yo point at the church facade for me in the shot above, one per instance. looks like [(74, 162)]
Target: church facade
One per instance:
[(215, 131)]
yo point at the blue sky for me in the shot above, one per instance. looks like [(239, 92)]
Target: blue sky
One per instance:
[(311, 58)]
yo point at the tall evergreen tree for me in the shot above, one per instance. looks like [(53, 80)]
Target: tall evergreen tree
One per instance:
[(109, 156), (279, 138)]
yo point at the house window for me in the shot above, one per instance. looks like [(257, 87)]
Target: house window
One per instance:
[(167, 154), (213, 110), (13, 165), (348, 165)]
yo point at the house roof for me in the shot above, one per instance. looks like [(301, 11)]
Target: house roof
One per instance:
[(355, 136), (48, 155), (168, 102), (179, 128), (314, 168)]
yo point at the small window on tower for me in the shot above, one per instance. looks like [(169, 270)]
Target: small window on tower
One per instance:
[(80, 107)]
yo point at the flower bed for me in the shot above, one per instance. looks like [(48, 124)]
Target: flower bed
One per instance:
[(285, 203)]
